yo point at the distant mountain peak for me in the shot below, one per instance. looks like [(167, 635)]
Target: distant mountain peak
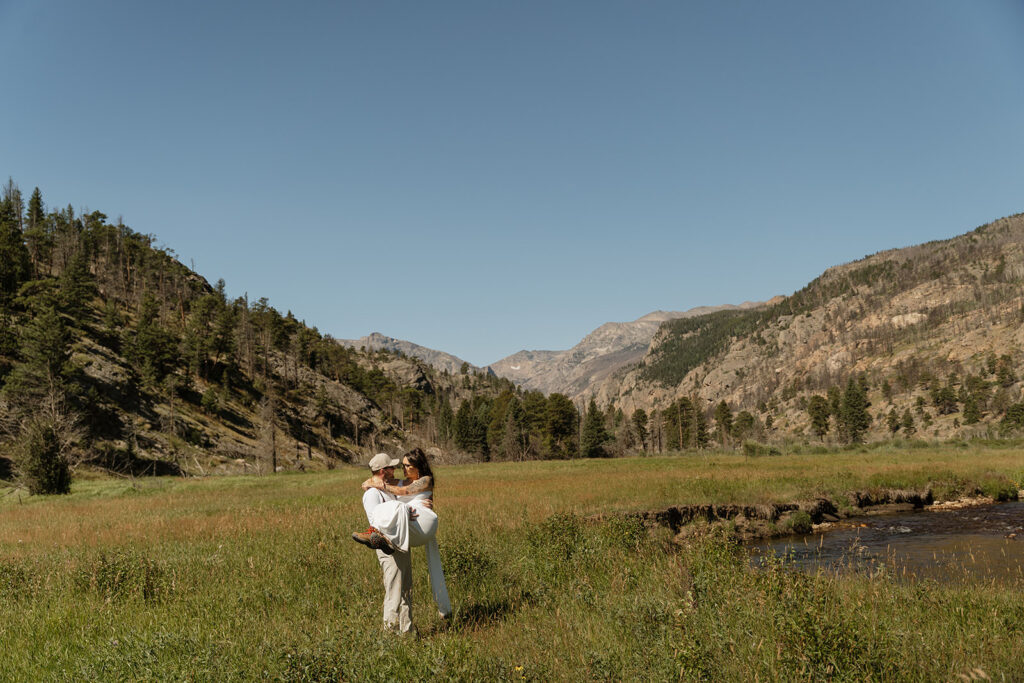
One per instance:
[(613, 345), (376, 341)]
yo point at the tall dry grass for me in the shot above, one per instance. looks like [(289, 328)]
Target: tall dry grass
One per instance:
[(255, 578)]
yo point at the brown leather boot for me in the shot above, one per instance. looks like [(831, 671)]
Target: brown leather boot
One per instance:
[(372, 538)]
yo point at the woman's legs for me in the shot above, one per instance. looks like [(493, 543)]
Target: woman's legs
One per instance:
[(422, 527), (423, 531), (437, 583), (391, 520)]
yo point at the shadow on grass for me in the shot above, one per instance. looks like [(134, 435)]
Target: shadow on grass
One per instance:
[(126, 462), (481, 613)]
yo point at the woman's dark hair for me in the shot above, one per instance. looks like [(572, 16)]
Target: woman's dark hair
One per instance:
[(418, 459)]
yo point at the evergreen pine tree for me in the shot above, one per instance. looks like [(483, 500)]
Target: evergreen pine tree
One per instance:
[(909, 429), (515, 437), (1004, 372), (445, 421), (561, 420), (892, 421), (639, 420), (14, 259), (38, 240), (76, 287), (35, 209), (463, 428), (595, 435), (854, 417), (700, 424), (44, 369), (819, 410), (678, 421), (471, 426), (481, 418), (744, 425), (152, 348), (835, 402), (972, 412), (723, 422)]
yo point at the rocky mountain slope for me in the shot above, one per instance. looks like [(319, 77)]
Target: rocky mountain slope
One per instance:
[(577, 371), (116, 355), (437, 359), (909, 323)]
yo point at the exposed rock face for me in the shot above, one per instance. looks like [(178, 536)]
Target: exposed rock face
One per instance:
[(438, 359), (610, 347), (901, 317), (408, 374)]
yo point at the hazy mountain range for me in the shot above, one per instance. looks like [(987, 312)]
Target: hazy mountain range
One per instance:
[(948, 312), (575, 372)]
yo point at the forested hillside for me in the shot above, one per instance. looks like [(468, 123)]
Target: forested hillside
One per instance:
[(926, 341), (114, 355)]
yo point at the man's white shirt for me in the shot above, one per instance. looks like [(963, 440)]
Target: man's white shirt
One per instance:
[(372, 498)]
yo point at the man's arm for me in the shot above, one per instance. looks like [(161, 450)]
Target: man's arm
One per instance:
[(374, 482), (371, 499)]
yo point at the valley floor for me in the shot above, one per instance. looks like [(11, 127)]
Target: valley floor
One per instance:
[(246, 578)]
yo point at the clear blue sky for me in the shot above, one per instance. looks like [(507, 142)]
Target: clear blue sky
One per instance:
[(482, 177)]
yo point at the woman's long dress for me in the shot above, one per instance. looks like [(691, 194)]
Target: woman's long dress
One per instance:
[(391, 518)]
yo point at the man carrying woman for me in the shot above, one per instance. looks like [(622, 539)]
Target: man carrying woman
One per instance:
[(401, 516)]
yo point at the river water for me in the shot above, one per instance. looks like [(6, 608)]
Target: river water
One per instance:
[(978, 543)]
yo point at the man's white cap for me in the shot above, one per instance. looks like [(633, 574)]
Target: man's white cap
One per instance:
[(382, 460)]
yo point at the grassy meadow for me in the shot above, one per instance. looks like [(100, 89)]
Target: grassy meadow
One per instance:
[(247, 578)]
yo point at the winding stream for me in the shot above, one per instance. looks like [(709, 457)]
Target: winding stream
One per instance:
[(978, 543)]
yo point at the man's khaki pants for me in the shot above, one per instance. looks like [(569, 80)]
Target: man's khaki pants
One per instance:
[(397, 571)]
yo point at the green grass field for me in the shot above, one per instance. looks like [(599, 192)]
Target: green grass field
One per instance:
[(255, 578)]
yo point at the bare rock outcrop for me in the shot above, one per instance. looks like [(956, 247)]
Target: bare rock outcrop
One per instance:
[(579, 371)]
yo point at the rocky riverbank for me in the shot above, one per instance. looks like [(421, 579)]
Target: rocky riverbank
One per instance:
[(770, 520)]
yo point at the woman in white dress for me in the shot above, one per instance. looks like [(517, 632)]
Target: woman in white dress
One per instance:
[(406, 522)]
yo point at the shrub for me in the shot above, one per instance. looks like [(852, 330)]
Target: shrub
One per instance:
[(999, 488), (753, 449), (817, 641), (553, 544), (42, 465), (624, 531), (946, 490), (466, 564), (800, 522), (211, 401)]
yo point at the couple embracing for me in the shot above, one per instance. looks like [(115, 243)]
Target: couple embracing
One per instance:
[(401, 517)]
